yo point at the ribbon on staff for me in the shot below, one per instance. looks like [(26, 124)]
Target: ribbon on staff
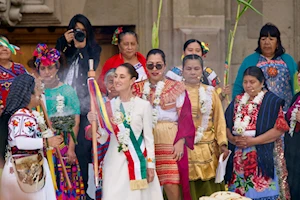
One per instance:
[(96, 97)]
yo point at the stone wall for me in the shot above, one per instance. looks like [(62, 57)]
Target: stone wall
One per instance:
[(208, 21), (279, 12)]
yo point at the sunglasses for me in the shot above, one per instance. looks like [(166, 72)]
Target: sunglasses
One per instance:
[(157, 66)]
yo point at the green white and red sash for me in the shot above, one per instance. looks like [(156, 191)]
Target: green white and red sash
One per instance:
[(136, 154)]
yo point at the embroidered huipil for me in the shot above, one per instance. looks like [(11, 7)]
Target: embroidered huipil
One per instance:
[(6, 78), (278, 78), (245, 179), (203, 160), (24, 136)]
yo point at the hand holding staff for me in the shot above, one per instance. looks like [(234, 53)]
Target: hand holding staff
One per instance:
[(57, 148), (91, 74)]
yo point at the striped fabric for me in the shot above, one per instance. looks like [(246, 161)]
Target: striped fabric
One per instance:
[(166, 166)]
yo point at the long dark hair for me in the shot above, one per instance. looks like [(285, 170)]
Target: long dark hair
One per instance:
[(267, 30), (18, 97), (90, 36), (199, 58), (257, 73)]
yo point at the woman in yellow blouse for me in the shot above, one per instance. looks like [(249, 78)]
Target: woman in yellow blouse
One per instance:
[(210, 139)]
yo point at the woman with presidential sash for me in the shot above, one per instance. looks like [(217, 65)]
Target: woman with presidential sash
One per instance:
[(210, 140), (127, 157), (173, 125), (255, 123)]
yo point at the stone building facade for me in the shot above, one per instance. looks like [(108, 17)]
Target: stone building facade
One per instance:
[(23, 21)]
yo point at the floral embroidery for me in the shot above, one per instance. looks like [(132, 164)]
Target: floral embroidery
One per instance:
[(28, 124), (246, 174), (15, 123)]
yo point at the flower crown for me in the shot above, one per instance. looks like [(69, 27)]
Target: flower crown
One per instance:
[(117, 32), (205, 48), (11, 47), (46, 56)]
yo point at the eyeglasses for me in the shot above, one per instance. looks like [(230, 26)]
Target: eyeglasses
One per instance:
[(157, 66)]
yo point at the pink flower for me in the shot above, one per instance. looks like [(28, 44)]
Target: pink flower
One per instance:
[(238, 162), (260, 183), (250, 164), (240, 191)]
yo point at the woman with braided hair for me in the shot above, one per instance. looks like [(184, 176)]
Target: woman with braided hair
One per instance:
[(47, 64), (26, 173)]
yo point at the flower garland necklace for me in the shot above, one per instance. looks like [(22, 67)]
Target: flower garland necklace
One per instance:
[(146, 92), (239, 124), (205, 102), (123, 136), (293, 120)]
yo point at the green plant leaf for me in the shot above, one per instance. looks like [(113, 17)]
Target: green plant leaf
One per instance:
[(244, 9), (155, 40), (249, 6)]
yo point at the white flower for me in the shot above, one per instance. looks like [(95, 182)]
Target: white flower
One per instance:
[(199, 134), (240, 125), (293, 121), (159, 88), (60, 103)]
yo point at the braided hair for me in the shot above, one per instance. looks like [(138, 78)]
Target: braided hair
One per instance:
[(18, 97)]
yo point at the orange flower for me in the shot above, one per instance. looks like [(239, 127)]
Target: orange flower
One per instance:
[(272, 72), (28, 123), (15, 123)]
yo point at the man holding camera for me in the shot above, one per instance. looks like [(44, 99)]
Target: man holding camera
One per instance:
[(77, 46)]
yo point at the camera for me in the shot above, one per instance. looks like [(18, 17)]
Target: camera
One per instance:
[(79, 35)]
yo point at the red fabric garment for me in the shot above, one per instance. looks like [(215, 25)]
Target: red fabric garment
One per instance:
[(281, 124), (186, 130), (6, 78), (114, 62)]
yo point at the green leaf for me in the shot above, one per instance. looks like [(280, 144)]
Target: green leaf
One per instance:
[(155, 39), (244, 9), (249, 6)]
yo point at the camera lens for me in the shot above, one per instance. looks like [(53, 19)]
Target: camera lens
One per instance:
[(79, 35)]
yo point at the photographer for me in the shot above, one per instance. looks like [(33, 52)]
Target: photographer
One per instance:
[(78, 45)]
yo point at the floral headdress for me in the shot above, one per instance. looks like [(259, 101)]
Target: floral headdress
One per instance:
[(116, 34), (11, 47), (204, 48), (46, 56)]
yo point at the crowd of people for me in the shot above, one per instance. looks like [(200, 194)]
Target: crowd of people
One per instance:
[(168, 125)]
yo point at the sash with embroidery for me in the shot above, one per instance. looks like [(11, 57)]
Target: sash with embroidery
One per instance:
[(135, 152)]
